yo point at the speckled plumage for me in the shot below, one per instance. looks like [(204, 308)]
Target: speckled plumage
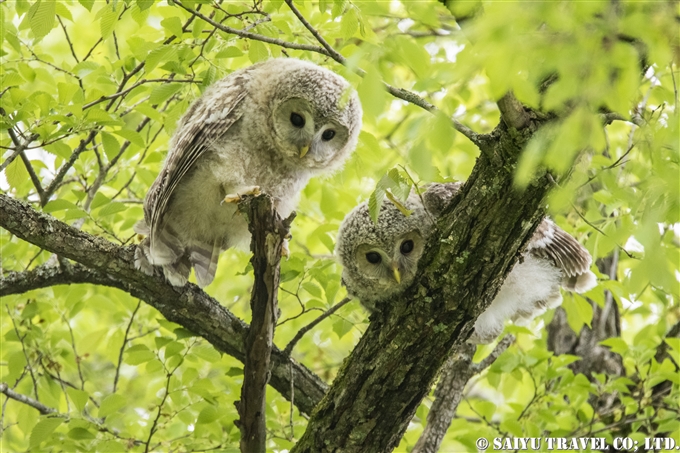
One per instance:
[(552, 259), (238, 135)]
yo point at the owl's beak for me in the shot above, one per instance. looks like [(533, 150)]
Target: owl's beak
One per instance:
[(304, 150), (397, 274)]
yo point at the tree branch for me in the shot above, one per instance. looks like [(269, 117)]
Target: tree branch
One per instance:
[(330, 52), (268, 233), (512, 111), (311, 325), (40, 407), (249, 35), (104, 263), (456, 373)]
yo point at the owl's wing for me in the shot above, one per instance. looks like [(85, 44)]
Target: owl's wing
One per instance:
[(551, 242), (206, 121), (438, 195)]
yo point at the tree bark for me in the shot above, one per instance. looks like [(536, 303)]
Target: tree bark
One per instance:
[(105, 263), (268, 232), (381, 384)]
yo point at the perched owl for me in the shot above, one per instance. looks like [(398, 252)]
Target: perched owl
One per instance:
[(269, 127), (380, 261)]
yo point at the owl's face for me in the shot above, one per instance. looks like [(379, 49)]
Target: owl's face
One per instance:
[(390, 265), (380, 260), (316, 117)]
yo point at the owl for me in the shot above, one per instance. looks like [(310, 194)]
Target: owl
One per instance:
[(380, 261), (269, 127)]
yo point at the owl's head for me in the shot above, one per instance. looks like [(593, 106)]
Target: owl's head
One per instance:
[(315, 115), (380, 260)]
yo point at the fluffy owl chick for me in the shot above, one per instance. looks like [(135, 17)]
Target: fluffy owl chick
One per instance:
[(380, 261), (269, 127)]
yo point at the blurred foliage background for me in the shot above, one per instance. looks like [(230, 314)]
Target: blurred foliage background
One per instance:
[(92, 91)]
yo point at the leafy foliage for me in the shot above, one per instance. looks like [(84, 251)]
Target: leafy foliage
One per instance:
[(89, 112)]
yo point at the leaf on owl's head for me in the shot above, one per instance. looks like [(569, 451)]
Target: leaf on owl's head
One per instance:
[(375, 203), (407, 212), (397, 189)]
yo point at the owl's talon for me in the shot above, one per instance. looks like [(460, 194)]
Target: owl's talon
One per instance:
[(238, 197), (232, 198)]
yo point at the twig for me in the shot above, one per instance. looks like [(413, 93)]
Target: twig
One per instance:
[(61, 173), (40, 407), (328, 51), (152, 431), (68, 39), (122, 348), (255, 36), (75, 352), (331, 52), (311, 325), (23, 348)]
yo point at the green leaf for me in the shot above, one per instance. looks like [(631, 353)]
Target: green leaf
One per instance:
[(208, 415), (11, 78), (111, 209), (111, 145), (42, 15), (206, 352), (173, 25), (349, 24), (173, 348), (108, 21), (398, 204), (372, 94), (229, 52), (234, 371), (138, 354), (58, 205), (99, 200), (16, 173), (163, 92), (375, 203), (43, 429), (111, 404), (257, 51), (81, 434), (160, 55), (341, 327), (133, 137), (145, 4), (79, 397), (88, 4), (617, 345), (63, 11)]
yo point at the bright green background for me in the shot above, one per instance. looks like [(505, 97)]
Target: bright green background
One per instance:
[(622, 196)]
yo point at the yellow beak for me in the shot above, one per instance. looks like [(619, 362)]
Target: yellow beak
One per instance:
[(304, 150), (397, 275)]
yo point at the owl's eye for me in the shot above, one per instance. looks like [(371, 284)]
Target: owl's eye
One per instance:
[(297, 120), (373, 257), (406, 247), (328, 134)]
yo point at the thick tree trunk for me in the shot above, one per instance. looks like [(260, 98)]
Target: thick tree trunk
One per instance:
[(381, 384)]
